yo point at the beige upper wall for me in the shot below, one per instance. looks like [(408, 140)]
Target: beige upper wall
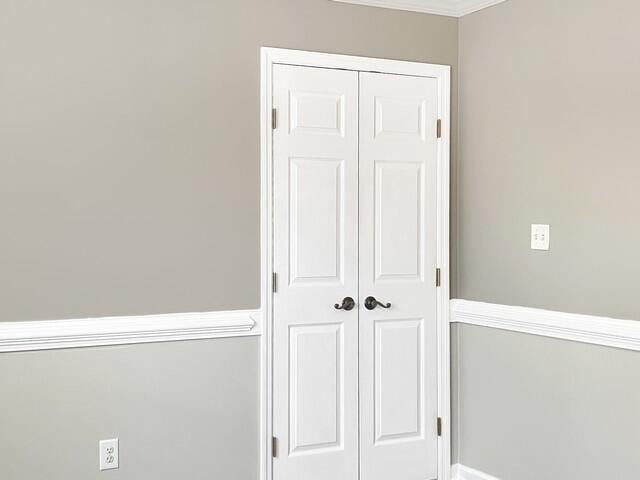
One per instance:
[(129, 144), (550, 95)]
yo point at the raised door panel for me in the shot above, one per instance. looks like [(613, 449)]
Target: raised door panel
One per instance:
[(400, 116), (317, 249), (399, 223), (317, 382), (320, 113), (399, 380)]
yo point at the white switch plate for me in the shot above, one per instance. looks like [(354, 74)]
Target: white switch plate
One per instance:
[(540, 237), (109, 454)]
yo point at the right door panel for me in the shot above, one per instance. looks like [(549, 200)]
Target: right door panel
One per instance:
[(397, 258)]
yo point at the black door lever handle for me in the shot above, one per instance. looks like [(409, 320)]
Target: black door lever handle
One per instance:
[(370, 303), (348, 304)]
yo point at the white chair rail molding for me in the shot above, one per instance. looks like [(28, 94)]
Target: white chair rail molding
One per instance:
[(590, 329), (122, 330)]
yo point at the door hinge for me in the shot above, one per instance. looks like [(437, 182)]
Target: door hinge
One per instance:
[(274, 282), (439, 128), (274, 447), (439, 426), (274, 118), (438, 277)]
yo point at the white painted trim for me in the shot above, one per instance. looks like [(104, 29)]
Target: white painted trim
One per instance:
[(443, 255), (604, 331), (449, 8), (465, 7), (460, 472), (266, 261), (92, 332), (346, 62), (433, 7), (269, 57)]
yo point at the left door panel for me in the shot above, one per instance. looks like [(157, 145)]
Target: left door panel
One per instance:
[(315, 364)]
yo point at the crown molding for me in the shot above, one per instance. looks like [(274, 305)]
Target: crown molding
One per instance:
[(465, 7), (449, 8)]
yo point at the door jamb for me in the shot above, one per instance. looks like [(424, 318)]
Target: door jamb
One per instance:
[(269, 57)]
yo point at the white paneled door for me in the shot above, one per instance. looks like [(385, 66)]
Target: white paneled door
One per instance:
[(315, 362), (354, 312), (398, 344)]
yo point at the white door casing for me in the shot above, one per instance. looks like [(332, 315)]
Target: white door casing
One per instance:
[(400, 332), (315, 403), (398, 260)]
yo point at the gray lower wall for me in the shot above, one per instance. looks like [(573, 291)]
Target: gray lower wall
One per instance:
[(537, 408), (549, 95), (180, 410), (129, 144)]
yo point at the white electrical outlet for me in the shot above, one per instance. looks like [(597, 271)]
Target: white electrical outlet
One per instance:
[(540, 237), (109, 454)]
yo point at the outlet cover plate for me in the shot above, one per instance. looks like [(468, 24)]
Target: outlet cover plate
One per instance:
[(109, 454), (540, 237)]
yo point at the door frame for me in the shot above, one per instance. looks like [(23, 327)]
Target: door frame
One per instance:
[(442, 73)]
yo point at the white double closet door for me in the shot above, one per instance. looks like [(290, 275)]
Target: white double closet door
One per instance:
[(354, 391)]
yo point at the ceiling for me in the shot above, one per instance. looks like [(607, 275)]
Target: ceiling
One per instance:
[(451, 8)]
